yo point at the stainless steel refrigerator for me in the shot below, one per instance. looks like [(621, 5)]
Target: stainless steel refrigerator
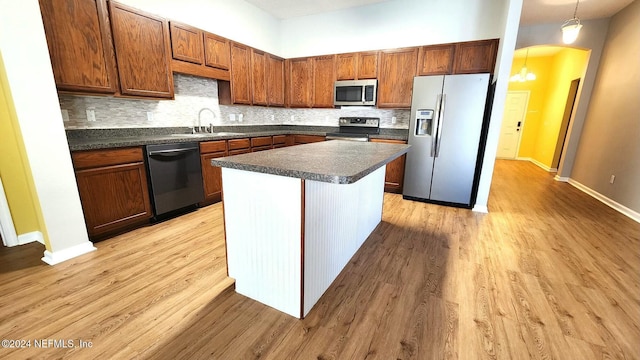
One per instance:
[(447, 113)]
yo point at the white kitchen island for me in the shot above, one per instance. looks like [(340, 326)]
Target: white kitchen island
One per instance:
[(295, 216)]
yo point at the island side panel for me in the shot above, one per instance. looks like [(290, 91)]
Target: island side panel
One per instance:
[(263, 220), (338, 219)]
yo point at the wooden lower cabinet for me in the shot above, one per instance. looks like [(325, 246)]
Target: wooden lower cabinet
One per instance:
[(212, 175), (394, 176), (305, 139), (113, 189)]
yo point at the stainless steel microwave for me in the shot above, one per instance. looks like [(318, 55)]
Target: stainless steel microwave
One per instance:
[(355, 92)]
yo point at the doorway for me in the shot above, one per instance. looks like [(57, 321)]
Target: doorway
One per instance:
[(564, 125), (515, 112)]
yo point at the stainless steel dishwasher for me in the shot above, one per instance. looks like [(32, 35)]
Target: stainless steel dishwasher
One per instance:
[(175, 177)]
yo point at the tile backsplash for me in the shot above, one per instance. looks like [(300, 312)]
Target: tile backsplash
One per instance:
[(193, 94)]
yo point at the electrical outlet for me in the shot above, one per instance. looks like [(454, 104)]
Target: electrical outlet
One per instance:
[(240, 116), (612, 179), (232, 117), (149, 116), (293, 118), (65, 115), (394, 119), (273, 117), (91, 115)]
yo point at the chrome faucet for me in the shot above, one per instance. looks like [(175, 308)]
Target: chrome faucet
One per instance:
[(199, 128)]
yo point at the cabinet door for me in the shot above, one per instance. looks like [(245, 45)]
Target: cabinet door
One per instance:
[(394, 175), (475, 57), (114, 197), (346, 66), (397, 69), (240, 75), (186, 43), (275, 82), (216, 51), (142, 51), (300, 82), (212, 177), (324, 78), (367, 65), (436, 60), (259, 77), (79, 41)]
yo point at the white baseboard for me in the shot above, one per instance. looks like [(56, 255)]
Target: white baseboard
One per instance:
[(538, 163), (561, 178), (607, 201), (30, 237), (53, 258), (481, 209)]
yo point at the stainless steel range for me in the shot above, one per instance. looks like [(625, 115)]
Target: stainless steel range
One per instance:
[(356, 128)]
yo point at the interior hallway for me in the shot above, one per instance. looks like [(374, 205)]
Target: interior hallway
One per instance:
[(549, 273)]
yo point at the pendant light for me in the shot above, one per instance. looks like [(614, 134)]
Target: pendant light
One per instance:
[(571, 28), (524, 74)]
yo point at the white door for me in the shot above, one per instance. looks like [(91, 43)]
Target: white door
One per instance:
[(515, 110)]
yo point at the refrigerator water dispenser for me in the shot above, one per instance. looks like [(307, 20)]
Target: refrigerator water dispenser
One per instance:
[(424, 122)]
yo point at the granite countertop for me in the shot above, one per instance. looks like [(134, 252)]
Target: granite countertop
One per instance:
[(92, 139), (336, 161)]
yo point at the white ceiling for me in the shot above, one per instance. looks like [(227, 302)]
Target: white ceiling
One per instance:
[(533, 11)]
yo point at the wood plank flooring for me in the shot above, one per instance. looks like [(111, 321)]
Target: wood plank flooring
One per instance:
[(549, 273)]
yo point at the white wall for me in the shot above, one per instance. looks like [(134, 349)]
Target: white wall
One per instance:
[(509, 21), (610, 140), (391, 24), (234, 19), (592, 36), (26, 58)]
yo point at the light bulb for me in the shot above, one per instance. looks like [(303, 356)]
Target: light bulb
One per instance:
[(570, 32)]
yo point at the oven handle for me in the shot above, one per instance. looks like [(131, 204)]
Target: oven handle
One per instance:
[(174, 152)]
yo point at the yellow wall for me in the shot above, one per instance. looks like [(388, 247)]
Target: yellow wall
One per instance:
[(547, 100), (567, 65), (14, 170), (537, 89)]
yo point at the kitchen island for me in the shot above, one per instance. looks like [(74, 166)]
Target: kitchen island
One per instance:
[(295, 216)]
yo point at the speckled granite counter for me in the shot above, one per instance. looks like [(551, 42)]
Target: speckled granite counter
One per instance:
[(337, 161), (91, 139)]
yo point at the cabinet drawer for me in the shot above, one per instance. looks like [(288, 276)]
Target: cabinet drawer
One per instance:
[(261, 141), (236, 144), (213, 146), (239, 151), (305, 139), (96, 158), (279, 139), (260, 148)]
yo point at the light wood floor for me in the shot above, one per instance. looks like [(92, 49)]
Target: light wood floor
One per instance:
[(550, 273)]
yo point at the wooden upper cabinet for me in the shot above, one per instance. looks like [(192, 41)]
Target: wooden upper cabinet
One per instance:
[(353, 66), (346, 66), (240, 74), (79, 41), (259, 77), (300, 76), (436, 59), (186, 43), (323, 81), (367, 65), (216, 51), (142, 46), (395, 80), (475, 57), (275, 82)]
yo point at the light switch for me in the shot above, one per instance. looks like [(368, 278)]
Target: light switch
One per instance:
[(232, 117), (149, 115), (91, 115)]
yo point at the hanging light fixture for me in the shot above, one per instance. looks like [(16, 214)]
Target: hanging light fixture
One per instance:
[(524, 74), (571, 28)]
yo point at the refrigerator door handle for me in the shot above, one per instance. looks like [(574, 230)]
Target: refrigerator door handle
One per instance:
[(441, 103), (437, 124)]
